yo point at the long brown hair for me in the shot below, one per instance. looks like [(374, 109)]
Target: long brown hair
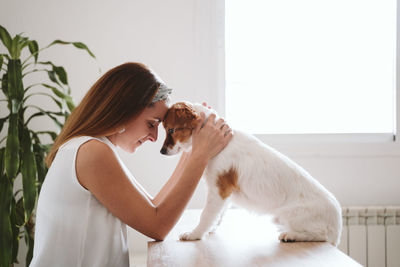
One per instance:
[(118, 96)]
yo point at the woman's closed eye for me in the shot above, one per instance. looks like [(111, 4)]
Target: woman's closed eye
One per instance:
[(153, 124)]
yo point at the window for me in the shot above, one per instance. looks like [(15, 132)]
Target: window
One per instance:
[(310, 66)]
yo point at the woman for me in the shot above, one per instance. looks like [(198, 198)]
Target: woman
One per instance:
[(89, 196)]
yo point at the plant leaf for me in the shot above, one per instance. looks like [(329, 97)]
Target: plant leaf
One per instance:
[(15, 51), (57, 122), (1, 61), (60, 71), (15, 230), (4, 84), (47, 147), (6, 240), (79, 45), (6, 56), (44, 148), (2, 121), (12, 148), (28, 171), (34, 48), (49, 114), (33, 116), (56, 91), (59, 42), (29, 236), (15, 86), (5, 38), (20, 218), (62, 74), (23, 42), (15, 106), (40, 164), (70, 104), (2, 150), (52, 76), (53, 135), (83, 46), (59, 104)]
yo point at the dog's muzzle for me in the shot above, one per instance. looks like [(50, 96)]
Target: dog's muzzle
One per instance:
[(163, 150)]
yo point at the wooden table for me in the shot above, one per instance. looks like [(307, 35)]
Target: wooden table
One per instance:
[(242, 239)]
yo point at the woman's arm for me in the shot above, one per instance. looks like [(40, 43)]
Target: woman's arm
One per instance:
[(98, 170), (173, 179), (170, 182)]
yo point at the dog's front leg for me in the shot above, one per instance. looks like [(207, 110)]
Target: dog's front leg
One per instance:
[(221, 215), (211, 213)]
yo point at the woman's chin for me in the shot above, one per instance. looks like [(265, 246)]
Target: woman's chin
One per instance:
[(130, 149), (135, 146)]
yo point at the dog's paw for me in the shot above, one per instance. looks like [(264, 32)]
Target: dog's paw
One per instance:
[(189, 236), (212, 232), (287, 237)]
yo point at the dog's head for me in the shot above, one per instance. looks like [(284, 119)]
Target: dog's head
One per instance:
[(179, 124)]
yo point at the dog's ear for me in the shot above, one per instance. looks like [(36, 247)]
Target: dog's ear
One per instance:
[(185, 112)]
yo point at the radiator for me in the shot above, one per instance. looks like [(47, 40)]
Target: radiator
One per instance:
[(371, 235)]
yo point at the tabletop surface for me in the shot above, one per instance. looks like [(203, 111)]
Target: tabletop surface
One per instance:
[(242, 239)]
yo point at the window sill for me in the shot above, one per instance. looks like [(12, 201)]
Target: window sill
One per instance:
[(334, 145)]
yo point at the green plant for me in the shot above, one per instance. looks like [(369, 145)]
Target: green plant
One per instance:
[(23, 152)]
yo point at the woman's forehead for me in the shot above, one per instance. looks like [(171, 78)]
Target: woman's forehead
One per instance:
[(158, 110)]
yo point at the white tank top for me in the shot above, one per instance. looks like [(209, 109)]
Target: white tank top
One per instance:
[(72, 227)]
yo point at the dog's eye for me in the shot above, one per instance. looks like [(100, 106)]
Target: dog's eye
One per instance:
[(171, 130)]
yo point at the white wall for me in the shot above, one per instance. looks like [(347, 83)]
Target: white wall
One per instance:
[(180, 41)]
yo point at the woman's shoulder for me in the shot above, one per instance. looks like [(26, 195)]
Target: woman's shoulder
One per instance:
[(93, 159), (95, 145), (78, 141), (95, 148)]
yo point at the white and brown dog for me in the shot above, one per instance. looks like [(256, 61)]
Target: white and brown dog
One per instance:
[(254, 176)]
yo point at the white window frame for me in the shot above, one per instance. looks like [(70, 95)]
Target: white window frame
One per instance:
[(306, 145)]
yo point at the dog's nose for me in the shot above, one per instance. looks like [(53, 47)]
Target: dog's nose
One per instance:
[(163, 150)]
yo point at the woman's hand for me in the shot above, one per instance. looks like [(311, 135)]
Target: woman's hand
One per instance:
[(209, 139), (205, 104)]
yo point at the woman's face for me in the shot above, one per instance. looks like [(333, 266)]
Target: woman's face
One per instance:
[(142, 128)]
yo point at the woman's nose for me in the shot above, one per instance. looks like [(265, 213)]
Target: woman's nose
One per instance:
[(153, 135)]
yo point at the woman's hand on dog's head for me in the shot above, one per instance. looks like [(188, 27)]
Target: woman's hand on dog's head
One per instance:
[(209, 139)]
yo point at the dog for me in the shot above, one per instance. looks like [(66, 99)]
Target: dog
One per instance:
[(255, 176)]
